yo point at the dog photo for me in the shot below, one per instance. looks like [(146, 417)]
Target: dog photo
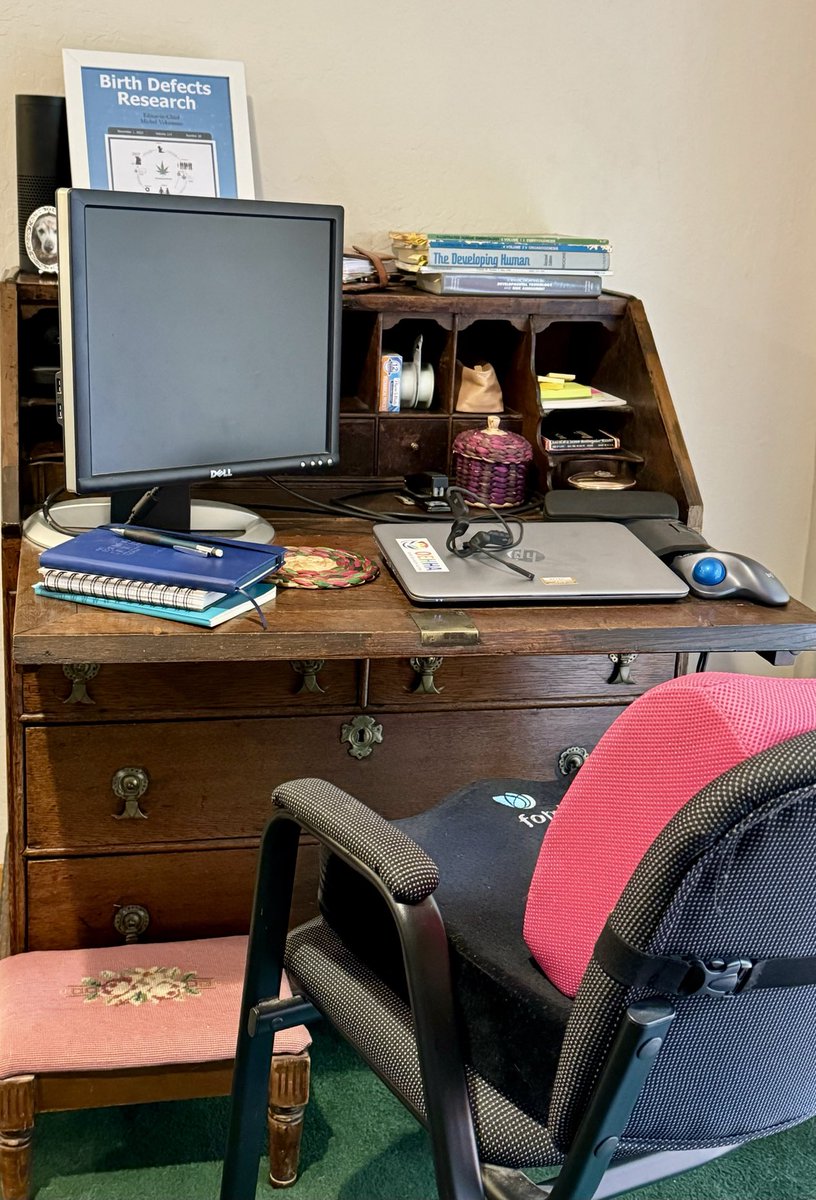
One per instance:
[(41, 238)]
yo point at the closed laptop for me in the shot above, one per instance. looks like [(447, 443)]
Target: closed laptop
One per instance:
[(569, 561)]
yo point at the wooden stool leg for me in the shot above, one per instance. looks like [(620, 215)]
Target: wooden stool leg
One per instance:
[(288, 1097), (17, 1104)]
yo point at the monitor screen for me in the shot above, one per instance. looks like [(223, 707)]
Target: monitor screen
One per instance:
[(200, 337)]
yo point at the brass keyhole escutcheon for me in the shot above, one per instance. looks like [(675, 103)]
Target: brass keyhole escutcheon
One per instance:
[(362, 735), (129, 784)]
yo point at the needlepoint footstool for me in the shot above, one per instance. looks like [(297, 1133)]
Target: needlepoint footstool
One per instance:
[(132, 1024)]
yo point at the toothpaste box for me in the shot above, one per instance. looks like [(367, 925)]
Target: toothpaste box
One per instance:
[(390, 376)]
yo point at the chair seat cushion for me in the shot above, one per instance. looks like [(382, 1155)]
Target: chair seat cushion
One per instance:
[(378, 1022), (142, 1005), (485, 840)]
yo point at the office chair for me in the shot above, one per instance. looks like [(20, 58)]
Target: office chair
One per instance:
[(615, 983)]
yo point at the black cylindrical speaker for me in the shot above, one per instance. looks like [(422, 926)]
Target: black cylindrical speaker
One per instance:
[(43, 164)]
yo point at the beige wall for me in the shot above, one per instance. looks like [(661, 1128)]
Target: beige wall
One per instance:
[(682, 131)]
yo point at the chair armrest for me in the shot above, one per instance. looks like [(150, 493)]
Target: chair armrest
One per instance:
[(332, 815)]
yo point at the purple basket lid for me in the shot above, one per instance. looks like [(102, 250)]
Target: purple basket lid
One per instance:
[(493, 444)]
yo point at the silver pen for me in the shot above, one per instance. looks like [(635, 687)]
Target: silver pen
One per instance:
[(194, 548)]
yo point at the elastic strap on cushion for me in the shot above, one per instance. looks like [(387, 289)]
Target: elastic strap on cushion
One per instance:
[(678, 976)]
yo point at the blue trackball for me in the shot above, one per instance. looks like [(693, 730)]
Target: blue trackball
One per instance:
[(709, 571)]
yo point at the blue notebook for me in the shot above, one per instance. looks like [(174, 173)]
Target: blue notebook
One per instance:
[(214, 614), (100, 552)]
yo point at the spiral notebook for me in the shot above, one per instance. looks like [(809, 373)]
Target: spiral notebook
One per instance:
[(235, 605), (138, 591)]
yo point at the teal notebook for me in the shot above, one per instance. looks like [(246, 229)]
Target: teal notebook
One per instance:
[(215, 614)]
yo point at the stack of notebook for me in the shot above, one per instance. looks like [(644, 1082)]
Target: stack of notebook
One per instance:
[(107, 570)]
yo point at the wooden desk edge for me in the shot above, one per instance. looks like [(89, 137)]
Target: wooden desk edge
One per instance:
[(375, 621), (35, 648)]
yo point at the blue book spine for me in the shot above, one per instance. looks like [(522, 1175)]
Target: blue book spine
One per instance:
[(501, 258)]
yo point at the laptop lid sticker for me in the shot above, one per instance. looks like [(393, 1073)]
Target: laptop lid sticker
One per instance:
[(421, 554)]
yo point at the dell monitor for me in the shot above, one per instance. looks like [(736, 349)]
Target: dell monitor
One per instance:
[(200, 341)]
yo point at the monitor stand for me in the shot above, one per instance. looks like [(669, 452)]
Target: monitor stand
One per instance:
[(211, 517)]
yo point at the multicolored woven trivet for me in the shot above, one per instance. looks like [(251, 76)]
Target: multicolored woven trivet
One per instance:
[(323, 567)]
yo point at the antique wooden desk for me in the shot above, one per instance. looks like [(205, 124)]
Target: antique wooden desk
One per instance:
[(142, 754)]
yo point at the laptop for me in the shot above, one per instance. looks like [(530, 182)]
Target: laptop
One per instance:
[(569, 560)]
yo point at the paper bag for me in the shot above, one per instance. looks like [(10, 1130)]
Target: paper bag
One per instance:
[(477, 389)]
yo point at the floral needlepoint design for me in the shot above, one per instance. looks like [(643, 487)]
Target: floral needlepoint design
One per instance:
[(142, 985)]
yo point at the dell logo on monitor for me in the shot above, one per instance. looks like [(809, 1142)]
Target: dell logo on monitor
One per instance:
[(220, 473)]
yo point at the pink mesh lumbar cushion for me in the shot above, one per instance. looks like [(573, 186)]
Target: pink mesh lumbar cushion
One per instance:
[(659, 753)]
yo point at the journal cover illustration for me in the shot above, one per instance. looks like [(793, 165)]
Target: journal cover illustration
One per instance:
[(167, 164)]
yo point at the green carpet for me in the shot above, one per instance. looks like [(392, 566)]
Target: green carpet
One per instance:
[(359, 1144)]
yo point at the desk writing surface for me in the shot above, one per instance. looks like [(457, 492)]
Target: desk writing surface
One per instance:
[(374, 621)]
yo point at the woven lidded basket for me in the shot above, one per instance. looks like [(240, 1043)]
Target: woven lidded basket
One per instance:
[(493, 463)]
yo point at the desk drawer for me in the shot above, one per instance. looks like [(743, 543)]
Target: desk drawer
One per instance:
[(185, 690), (72, 902), (212, 780), (513, 679), (191, 780)]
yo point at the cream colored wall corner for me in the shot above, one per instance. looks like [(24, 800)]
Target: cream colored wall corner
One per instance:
[(680, 131), (806, 663)]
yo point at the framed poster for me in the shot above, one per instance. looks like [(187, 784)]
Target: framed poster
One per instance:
[(172, 126)]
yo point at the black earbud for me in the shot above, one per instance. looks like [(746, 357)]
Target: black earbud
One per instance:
[(459, 509), (483, 542), (498, 539)]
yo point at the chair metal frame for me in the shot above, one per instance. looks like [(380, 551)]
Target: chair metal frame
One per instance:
[(586, 1171)]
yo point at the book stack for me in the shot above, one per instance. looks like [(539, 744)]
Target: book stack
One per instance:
[(498, 264), (106, 570)]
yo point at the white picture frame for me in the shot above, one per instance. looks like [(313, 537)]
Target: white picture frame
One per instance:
[(156, 123)]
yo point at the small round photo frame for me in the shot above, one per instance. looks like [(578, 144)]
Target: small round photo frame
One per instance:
[(41, 239)]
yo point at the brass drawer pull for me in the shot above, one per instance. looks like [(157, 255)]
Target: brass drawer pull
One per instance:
[(623, 668), (131, 921), (130, 784), (362, 735), (309, 668), (79, 675), (426, 668), (572, 759)]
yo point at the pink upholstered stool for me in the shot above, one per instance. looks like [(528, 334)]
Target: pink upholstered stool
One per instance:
[(127, 1025)]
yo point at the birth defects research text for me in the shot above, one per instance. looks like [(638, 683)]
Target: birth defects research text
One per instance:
[(127, 85)]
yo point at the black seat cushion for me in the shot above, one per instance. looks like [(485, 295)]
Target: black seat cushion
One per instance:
[(485, 840)]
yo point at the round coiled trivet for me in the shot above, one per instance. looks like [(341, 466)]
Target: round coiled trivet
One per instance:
[(323, 567)]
